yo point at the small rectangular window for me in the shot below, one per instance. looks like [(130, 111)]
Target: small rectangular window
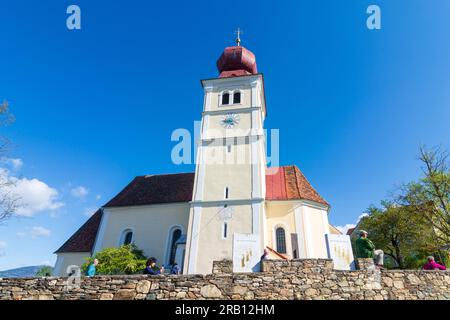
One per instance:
[(229, 148), (226, 192), (225, 230)]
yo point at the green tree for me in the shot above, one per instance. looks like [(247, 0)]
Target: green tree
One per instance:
[(127, 259), (430, 195), (403, 235), (44, 271)]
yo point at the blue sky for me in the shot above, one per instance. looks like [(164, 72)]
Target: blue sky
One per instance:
[(96, 107)]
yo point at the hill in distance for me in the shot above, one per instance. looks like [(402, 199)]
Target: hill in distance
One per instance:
[(24, 272)]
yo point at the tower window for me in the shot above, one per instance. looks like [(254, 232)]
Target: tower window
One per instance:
[(225, 230), (281, 240), (237, 97), (226, 98), (226, 192), (228, 143)]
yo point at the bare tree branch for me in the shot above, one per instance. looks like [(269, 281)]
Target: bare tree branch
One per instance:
[(8, 200)]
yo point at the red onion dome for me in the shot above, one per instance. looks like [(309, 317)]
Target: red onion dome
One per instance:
[(236, 61)]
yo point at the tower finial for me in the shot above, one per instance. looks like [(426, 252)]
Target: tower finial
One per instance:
[(238, 33)]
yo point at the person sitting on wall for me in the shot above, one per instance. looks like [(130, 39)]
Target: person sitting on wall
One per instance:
[(151, 267), (433, 265), (366, 249), (265, 255), (175, 268), (91, 270)]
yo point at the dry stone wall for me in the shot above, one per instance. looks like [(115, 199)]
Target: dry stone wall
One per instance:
[(279, 279), (224, 266)]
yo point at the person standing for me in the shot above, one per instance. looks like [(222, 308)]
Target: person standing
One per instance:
[(92, 268), (366, 249)]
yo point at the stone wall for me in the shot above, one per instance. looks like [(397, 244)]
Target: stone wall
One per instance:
[(364, 264), (280, 279), (223, 266)]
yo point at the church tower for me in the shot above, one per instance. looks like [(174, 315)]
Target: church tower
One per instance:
[(227, 207)]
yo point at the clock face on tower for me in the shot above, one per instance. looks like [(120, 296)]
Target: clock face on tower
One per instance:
[(229, 120)]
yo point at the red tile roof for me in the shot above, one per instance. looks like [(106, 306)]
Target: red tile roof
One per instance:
[(279, 255), (288, 183), (154, 189), (350, 231), (282, 183), (83, 239)]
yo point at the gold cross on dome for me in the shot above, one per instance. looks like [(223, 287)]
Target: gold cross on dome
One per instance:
[(238, 33)]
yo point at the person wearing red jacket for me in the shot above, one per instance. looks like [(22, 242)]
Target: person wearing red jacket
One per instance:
[(433, 265)]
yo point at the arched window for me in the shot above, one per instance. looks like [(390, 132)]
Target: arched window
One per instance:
[(281, 240), (226, 98), (127, 237), (237, 97), (176, 234)]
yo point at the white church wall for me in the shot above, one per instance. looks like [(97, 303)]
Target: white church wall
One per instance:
[(246, 85), (190, 242), (317, 226), (240, 85), (300, 230), (64, 260), (151, 226), (280, 214), (308, 220), (212, 246), (216, 130), (227, 151), (237, 178)]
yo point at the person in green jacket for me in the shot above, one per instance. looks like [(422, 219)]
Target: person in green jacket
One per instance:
[(366, 249)]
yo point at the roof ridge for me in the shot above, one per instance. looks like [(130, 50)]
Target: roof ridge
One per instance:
[(277, 253), (297, 183), (163, 174)]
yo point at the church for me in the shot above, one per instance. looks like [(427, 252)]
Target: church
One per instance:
[(233, 209)]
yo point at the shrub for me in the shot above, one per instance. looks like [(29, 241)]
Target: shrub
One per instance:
[(127, 259), (44, 271)]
